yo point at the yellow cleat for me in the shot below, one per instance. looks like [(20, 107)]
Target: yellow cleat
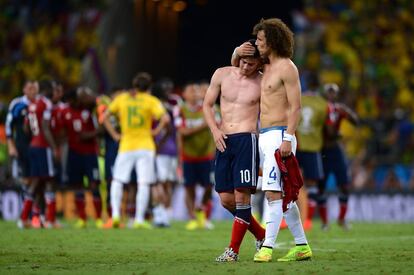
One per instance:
[(192, 225), (99, 223), (142, 225), (116, 222), (264, 255), (201, 218), (297, 253), (80, 224)]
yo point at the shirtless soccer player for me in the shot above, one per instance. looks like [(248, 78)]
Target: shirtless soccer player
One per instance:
[(237, 159)]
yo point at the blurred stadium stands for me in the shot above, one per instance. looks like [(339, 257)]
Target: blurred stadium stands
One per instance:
[(364, 46)]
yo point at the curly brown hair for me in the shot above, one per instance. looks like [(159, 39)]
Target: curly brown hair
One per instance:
[(278, 36)]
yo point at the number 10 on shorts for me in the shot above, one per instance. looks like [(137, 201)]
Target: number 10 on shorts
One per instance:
[(245, 176)]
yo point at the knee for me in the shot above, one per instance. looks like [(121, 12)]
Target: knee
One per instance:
[(229, 205), (272, 196)]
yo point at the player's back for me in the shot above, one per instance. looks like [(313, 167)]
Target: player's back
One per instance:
[(136, 113), (39, 110), (313, 116)]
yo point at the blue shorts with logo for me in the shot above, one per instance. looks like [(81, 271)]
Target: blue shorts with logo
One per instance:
[(311, 164), (238, 166)]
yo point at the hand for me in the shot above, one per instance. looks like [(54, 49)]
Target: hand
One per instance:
[(13, 151), (116, 137), (285, 149), (219, 139), (57, 153), (245, 49)]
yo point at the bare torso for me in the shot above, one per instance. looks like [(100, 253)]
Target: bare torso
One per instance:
[(239, 101), (274, 105)]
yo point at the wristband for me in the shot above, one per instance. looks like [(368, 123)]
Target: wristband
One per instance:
[(288, 137)]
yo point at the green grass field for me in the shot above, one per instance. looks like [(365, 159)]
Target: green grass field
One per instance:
[(366, 249)]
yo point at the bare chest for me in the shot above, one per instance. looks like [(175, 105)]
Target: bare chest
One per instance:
[(244, 92)]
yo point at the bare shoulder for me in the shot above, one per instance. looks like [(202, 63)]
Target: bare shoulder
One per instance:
[(288, 66), (224, 71)]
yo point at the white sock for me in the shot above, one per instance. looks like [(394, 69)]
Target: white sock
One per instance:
[(156, 211), (274, 218), (292, 217), (116, 198), (265, 214), (142, 199), (164, 215)]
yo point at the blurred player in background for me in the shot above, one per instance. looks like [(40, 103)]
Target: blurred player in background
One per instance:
[(136, 111), (310, 139), (196, 153), (333, 156), (111, 146), (42, 152), (18, 141), (81, 128), (166, 158)]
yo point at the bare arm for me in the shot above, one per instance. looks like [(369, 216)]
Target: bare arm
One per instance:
[(165, 119), (210, 98), (244, 49), (109, 127), (350, 115), (48, 133), (291, 82)]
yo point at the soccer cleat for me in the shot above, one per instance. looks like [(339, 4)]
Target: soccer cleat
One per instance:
[(116, 222), (201, 218), (80, 224), (36, 222), (297, 253), (228, 256), (283, 224), (21, 224), (345, 226), (258, 244), (142, 225), (99, 223), (208, 225), (192, 225), (307, 225), (264, 255), (325, 227), (53, 225)]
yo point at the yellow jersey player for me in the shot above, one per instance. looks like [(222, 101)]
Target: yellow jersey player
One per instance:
[(136, 111)]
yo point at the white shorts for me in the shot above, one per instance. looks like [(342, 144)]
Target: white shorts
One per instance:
[(270, 139), (143, 163), (166, 168)]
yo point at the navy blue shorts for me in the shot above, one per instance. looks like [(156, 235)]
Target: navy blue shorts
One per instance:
[(238, 166), (334, 162), (111, 151), (41, 162), (311, 164), (80, 165), (22, 163), (197, 172)]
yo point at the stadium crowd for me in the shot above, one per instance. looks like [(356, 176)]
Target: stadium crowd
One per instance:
[(336, 40)]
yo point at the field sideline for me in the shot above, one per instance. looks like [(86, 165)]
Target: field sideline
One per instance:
[(366, 249)]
